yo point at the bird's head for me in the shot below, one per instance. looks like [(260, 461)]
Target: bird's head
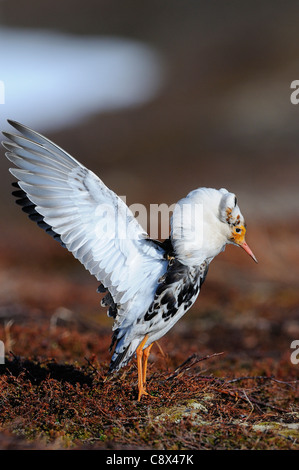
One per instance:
[(230, 214), (204, 222)]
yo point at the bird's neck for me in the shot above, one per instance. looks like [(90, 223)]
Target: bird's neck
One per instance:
[(197, 233), (194, 252)]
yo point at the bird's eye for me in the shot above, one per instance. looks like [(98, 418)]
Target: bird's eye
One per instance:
[(238, 230)]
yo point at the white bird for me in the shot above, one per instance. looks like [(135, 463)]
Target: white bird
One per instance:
[(149, 285)]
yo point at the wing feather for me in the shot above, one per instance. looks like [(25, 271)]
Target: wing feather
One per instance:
[(88, 218)]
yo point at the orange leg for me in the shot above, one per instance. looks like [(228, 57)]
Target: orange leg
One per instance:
[(142, 358), (146, 353)]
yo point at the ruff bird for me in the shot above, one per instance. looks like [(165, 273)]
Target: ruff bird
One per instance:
[(149, 285)]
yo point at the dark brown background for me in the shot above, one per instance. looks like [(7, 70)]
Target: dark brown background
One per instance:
[(223, 119)]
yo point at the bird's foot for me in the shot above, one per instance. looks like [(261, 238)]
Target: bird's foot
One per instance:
[(141, 391)]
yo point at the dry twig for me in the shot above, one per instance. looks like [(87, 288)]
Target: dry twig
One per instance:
[(190, 362)]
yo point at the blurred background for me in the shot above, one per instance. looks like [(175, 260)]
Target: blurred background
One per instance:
[(159, 98)]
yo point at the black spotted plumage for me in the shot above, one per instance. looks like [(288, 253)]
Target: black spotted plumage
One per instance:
[(176, 292), (180, 287)]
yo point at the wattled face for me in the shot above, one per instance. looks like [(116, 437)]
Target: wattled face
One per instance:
[(238, 238), (238, 234)]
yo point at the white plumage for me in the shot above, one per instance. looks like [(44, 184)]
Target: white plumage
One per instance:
[(150, 284)]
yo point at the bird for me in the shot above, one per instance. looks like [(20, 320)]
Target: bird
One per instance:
[(148, 284)]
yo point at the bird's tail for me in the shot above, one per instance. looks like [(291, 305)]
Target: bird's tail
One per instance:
[(123, 351)]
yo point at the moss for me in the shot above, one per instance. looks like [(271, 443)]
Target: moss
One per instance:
[(192, 409), (284, 429)]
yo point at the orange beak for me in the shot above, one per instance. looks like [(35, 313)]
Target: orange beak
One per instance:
[(248, 250)]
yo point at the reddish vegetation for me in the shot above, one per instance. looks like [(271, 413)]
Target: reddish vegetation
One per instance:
[(55, 392)]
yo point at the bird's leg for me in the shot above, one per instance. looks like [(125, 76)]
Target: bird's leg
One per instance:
[(139, 353), (146, 353)]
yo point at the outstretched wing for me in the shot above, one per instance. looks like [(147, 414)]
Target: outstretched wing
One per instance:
[(90, 220)]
